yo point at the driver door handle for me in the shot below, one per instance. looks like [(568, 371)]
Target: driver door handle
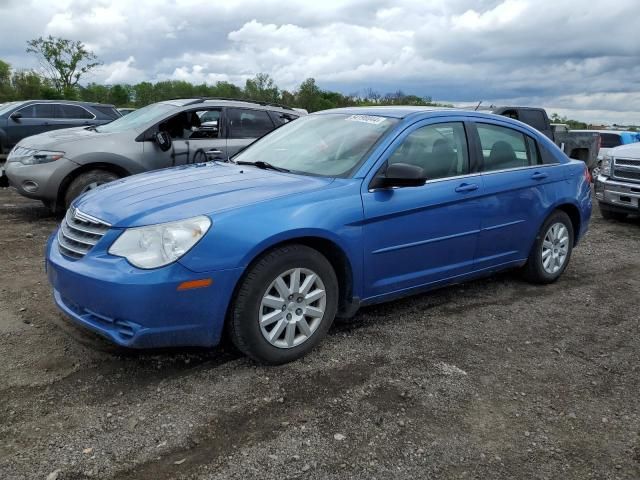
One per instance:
[(539, 176), (214, 152), (466, 187)]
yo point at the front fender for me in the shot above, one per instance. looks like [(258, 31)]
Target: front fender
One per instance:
[(238, 236)]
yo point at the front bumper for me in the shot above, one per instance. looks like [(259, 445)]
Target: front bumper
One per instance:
[(138, 308), (622, 196), (40, 182)]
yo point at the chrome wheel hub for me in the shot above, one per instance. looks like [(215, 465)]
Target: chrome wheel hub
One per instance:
[(292, 308), (555, 248)]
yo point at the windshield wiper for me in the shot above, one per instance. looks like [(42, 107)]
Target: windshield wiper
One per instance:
[(92, 128), (263, 165)]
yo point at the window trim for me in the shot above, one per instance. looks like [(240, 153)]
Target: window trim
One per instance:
[(404, 134), (480, 155), (54, 117)]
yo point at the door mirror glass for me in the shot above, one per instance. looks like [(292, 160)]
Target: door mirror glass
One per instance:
[(16, 116), (400, 175), (163, 139)]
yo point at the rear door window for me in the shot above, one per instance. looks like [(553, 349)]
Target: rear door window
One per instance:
[(73, 112), (504, 148), (247, 123)]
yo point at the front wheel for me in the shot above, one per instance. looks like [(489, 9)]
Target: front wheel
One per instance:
[(87, 181), (596, 171), (285, 305), (551, 250)]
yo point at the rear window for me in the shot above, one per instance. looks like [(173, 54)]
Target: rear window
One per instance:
[(610, 140), (535, 118), (73, 111), (280, 118), (109, 112)]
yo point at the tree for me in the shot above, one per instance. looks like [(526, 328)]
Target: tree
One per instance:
[(63, 61), (262, 88), (6, 90)]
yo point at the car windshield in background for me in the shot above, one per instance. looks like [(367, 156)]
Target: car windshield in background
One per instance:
[(330, 145), (137, 118)]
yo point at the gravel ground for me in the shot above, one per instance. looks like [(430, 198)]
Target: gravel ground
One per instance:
[(492, 379)]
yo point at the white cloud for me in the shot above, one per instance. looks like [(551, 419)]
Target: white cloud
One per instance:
[(564, 54)]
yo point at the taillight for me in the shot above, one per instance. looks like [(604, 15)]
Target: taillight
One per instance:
[(587, 174)]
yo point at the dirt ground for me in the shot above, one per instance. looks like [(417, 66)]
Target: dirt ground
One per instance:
[(492, 379)]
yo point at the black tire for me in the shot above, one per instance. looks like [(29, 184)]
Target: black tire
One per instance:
[(243, 321), (534, 270), (82, 182), (608, 214)]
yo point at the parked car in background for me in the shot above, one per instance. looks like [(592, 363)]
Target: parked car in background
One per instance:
[(126, 111), (56, 167), (611, 139), (339, 209), (580, 145), (22, 119), (617, 186)]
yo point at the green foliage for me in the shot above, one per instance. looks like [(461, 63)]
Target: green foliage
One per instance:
[(25, 85), (64, 61), (572, 124)]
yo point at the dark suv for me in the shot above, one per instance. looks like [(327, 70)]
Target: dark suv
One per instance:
[(30, 117)]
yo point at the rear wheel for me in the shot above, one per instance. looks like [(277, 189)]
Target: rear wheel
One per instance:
[(608, 214), (87, 181), (551, 250), (285, 305)]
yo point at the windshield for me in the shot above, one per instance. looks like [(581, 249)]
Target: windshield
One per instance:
[(330, 145), (5, 107), (137, 118)]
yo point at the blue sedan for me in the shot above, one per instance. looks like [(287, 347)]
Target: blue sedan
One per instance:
[(334, 211)]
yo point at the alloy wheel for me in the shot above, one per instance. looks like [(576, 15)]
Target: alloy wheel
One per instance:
[(555, 248), (292, 308)]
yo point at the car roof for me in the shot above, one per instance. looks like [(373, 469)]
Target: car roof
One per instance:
[(229, 102), (393, 111), (69, 102)]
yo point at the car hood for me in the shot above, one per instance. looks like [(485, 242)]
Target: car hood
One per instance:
[(187, 191), (57, 139), (631, 150)]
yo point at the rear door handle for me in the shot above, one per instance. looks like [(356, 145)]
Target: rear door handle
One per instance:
[(467, 187), (539, 176), (214, 152)]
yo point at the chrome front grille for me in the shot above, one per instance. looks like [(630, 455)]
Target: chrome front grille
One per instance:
[(626, 169), (79, 232)]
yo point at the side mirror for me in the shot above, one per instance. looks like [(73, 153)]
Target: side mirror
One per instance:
[(400, 175), (16, 116), (163, 139)]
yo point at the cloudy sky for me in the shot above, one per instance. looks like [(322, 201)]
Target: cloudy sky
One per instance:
[(570, 56)]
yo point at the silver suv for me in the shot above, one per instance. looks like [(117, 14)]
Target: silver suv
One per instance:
[(58, 166)]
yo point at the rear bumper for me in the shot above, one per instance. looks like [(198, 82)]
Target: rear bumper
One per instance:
[(139, 308), (619, 196)]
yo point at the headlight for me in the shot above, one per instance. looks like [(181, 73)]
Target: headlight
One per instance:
[(159, 245), (606, 165), (28, 156)]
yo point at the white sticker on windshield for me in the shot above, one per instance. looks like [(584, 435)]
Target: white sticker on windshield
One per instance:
[(366, 119)]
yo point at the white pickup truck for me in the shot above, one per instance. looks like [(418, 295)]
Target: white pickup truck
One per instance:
[(618, 184)]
